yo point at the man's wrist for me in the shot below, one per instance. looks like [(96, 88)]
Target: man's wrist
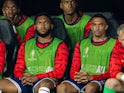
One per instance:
[(90, 78), (122, 77)]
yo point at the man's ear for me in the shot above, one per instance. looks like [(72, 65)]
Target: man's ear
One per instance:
[(18, 11), (91, 27), (106, 27), (61, 6), (34, 27), (3, 10), (52, 26)]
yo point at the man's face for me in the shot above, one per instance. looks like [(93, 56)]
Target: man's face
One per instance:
[(10, 10), (121, 37), (98, 26), (68, 6), (43, 25)]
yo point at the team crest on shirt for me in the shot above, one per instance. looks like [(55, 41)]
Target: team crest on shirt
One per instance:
[(32, 56), (86, 52)]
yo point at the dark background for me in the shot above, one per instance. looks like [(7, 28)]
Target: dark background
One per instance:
[(32, 7)]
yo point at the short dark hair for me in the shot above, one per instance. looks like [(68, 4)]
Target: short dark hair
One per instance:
[(16, 2), (43, 14), (75, 1), (101, 16)]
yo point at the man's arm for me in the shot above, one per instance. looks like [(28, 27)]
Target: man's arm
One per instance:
[(2, 56), (87, 29), (30, 32), (60, 63), (115, 61), (20, 63), (76, 61)]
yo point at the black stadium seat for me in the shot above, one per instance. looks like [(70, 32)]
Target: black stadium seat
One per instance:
[(8, 36), (60, 32)]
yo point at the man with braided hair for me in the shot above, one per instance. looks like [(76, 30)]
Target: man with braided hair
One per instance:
[(23, 25)]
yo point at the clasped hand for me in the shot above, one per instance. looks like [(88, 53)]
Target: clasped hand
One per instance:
[(28, 79), (82, 77)]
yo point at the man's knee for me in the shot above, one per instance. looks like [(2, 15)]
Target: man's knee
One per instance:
[(111, 83), (92, 86), (46, 83), (6, 85), (61, 86), (66, 87)]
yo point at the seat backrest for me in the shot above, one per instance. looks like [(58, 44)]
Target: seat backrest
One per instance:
[(60, 32), (8, 36), (113, 23)]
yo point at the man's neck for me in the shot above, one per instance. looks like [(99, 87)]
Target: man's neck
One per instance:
[(99, 39), (70, 18), (45, 39)]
